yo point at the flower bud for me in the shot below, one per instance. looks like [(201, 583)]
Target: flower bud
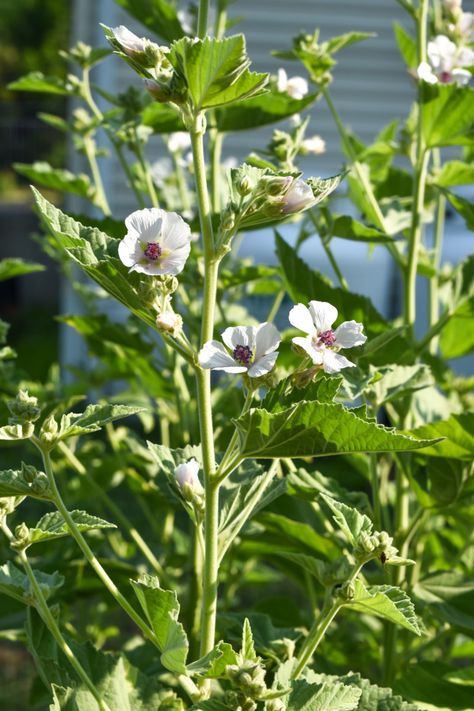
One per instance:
[(22, 537), (169, 322), (49, 430), (40, 486), (131, 45), (347, 591), (277, 185), (24, 407), (186, 476), (315, 145), (244, 187), (299, 197), (28, 472)]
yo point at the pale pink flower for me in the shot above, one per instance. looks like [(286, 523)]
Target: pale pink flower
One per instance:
[(250, 349), (129, 41), (322, 343), (186, 476), (296, 87), (445, 63), (298, 197)]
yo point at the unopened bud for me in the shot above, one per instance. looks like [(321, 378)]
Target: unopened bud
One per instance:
[(22, 536), (186, 476), (315, 145), (40, 486), (299, 197), (277, 185), (28, 472), (347, 591), (49, 430), (169, 322), (228, 221), (24, 407), (244, 187), (131, 45)]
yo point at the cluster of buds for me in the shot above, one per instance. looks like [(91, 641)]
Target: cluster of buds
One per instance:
[(24, 411), (169, 322), (378, 545), (49, 432), (38, 481), (248, 678), (151, 61), (22, 537), (83, 122)]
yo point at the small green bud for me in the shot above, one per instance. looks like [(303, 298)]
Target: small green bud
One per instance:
[(276, 186), (49, 430), (28, 472), (24, 408), (228, 221), (346, 591), (22, 537), (40, 485), (244, 186)]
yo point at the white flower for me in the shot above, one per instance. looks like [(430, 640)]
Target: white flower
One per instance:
[(296, 87), (129, 41), (322, 343), (446, 62), (160, 170), (178, 141), (298, 197), (465, 26), (157, 242), (315, 145), (251, 349), (186, 476)]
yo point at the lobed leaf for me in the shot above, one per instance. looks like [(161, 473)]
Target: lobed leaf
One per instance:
[(351, 522), (12, 267), (386, 601), (56, 179), (14, 582), (52, 525)]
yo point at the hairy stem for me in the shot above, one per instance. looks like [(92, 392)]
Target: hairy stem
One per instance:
[(203, 14), (433, 312), (100, 198)]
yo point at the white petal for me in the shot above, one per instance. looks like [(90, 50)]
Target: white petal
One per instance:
[(297, 87), (282, 80), (323, 315), (465, 57), (129, 250), (146, 223), (300, 317), (239, 336), (213, 355), (174, 263), (334, 362), (316, 354), (263, 365), (267, 339), (461, 76), (176, 232), (129, 40), (425, 73), (349, 334)]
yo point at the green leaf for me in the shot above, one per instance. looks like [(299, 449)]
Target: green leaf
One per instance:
[(15, 583), (328, 696), (454, 172), (373, 698), (350, 521), (458, 432), (295, 533), (449, 596), (346, 227), (463, 206), (397, 381), (243, 502), (335, 44), (161, 608), (447, 114), (52, 525), (322, 187), (14, 432), (56, 179), (168, 459), (426, 683), (13, 267), (93, 418), (324, 389), (13, 483), (159, 16), (390, 603), (407, 46), (268, 108), (216, 71), (162, 118), (37, 81), (248, 647), (457, 336), (310, 429), (213, 665)]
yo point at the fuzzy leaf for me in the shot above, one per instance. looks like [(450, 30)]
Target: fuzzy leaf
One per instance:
[(350, 521), (12, 267), (454, 172), (52, 525), (310, 429), (14, 432), (463, 206), (328, 696), (162, 118), (324, 389), (447, 114), (161, 608), (426, 684), (15, 583), (37, 81), (407, 46), (214, 664), (385, 601), (159, 16), (248, 646), (56, 179), (458, 432), (12, 483), (322, 187), (261, 110), (373, 698), (346, 227), (216, 71), (93, 418)]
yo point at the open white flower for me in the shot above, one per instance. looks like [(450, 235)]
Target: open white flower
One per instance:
[(445, 63), (186, 476), (296, 87), (179, 141), (129, 41), (157, 242), (322, 343), (250, 349)]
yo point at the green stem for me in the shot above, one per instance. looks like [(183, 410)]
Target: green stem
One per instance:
[(116, 512), (182, 186), (221, 20), (196, 588), (100, 198), (277, 302), (51, 624), (216, 139), (320, 626), (88, 554), (433, 313), (375, 484), (147, 173), (211, 567), (202, 18)]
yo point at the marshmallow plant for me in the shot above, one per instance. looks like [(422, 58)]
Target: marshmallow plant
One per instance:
[(254, 524)]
